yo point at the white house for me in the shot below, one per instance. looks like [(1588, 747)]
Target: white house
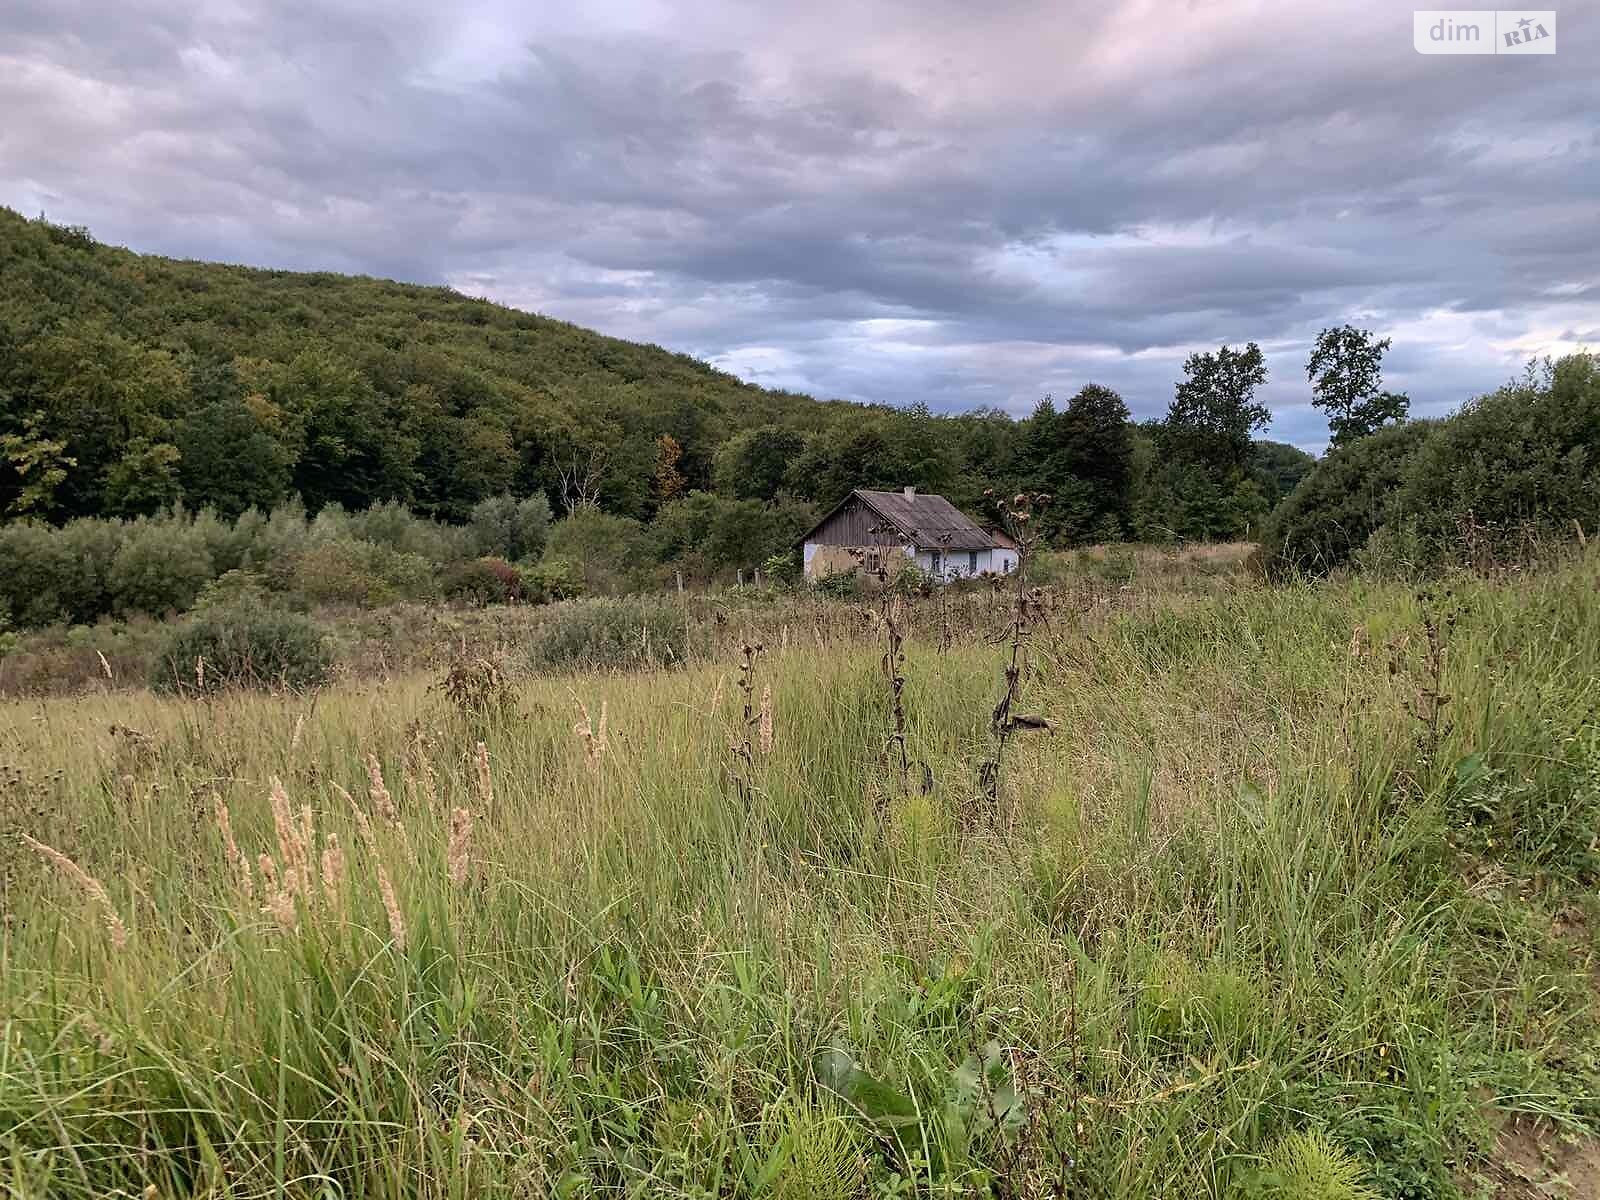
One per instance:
[(872, 530)]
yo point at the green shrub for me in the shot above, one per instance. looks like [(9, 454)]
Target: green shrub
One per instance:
[(482, 581), (506, 527), (611, 634), (249, 647), (1342, 501), (549, 581), (1523, 460), (40, 582), (349, 571), (394, 525), (839, 585), (606, 552), (161, 566), (234, 589)]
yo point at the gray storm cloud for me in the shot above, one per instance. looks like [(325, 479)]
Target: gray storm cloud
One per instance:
[(887, 202)]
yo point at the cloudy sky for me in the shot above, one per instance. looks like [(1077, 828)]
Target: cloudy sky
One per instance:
[(887, 200)]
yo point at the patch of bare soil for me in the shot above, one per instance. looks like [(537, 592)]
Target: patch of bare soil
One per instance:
[(1534, 1161)]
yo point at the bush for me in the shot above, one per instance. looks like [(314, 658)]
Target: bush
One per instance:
[(1508, 469), (611, 634), (1525, 459), (550, 581), (606, 552), (349, 571), (839, 585), (242, 647), (394, 525), (505, 527), (234, 589), (161, 566), (482, 581), (1343, 501), (35, 574)]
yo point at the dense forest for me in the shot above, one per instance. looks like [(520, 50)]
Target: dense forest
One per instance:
[(132, 383)]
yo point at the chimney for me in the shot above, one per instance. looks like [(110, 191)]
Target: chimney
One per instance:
[(910, 492)]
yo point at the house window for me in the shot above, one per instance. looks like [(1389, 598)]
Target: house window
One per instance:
[(935, 562), (972, 562)]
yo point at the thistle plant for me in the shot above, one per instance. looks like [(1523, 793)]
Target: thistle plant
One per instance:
[(1017, 513), (742, 769)]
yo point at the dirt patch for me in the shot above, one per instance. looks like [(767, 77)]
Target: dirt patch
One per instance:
[(1534, 1161)]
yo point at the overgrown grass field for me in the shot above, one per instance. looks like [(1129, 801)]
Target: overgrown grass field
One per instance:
[(1295, 899)]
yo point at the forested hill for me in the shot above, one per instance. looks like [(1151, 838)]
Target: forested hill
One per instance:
[(130, 383), (231, 386)]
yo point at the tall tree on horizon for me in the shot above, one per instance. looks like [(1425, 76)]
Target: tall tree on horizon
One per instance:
[(1214, 411), (1346, 376)]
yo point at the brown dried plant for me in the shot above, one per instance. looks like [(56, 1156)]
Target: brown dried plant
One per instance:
[(592, 736), (1017, 513), (391, 905), (381, 799), (93, 890), (244, 879), (458, 858)]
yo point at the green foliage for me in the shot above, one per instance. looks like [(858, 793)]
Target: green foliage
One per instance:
[(160, 566), (1083, 457), (1279, 467), (1346, 375), (584, 635), (549, 581), (506, 527), (605, 553), (482, 581), (1214, 410), (1308, 1165), (1523, 460), (839, 585), (250, 647), (1508, 471), (1346, 498), (338, 570)]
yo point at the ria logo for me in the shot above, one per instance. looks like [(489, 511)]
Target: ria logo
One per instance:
[(1527, 32), (1484, 31)]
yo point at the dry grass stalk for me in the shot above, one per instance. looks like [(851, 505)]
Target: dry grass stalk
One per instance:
[(237, 862), (105, 664), (381, 800), (292, 847), (299, 728), (280, 906), (485, 783), (765, 729), (332, 869), (459, 857), (391, 906), (419, 758), (199, 673), (93, 890), (594, 738)]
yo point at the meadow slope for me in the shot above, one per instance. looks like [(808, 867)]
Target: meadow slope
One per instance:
[(1296, 897)]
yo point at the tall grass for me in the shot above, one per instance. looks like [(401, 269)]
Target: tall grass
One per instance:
[(1238, 920)]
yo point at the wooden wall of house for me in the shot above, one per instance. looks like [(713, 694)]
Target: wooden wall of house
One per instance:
[(855, 525)]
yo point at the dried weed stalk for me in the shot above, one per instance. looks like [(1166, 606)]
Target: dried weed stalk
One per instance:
[(1017, 513)]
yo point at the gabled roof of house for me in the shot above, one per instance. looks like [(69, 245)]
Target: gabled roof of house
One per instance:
[(926, 521)]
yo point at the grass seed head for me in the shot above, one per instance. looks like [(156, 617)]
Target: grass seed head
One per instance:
[(381, 800), (459, 857), (93, 890), (485, 783)]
